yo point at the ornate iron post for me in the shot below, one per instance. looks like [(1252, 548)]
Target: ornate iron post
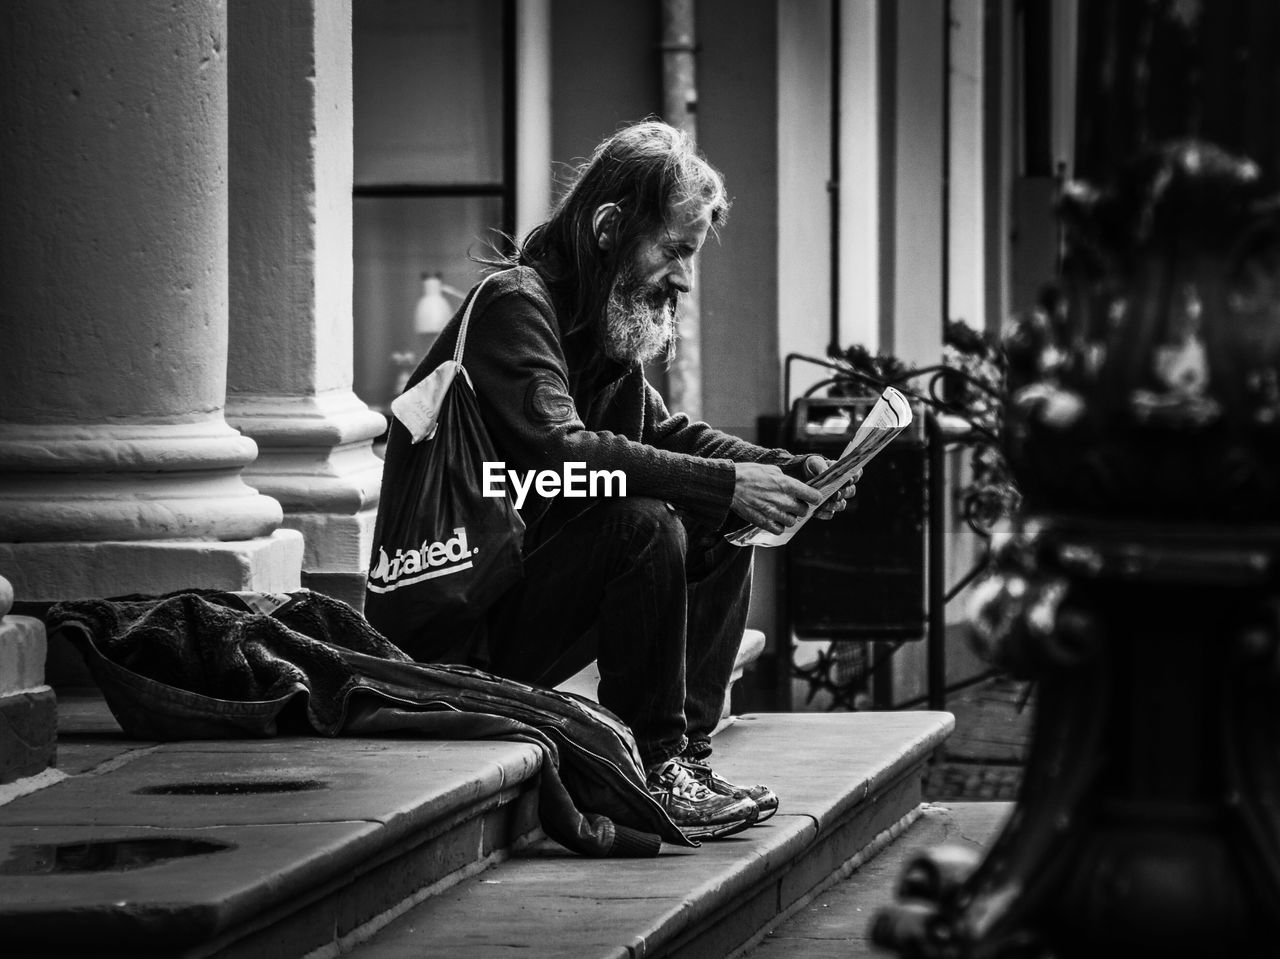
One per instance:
[(1140, 587)]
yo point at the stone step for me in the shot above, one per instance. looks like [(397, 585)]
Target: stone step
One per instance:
[(849, 783), (306, 846), (248, 847), (298, 844), (28, 707), (837, 921)]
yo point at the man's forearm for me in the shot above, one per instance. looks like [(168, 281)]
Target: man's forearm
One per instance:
[(676, 432)]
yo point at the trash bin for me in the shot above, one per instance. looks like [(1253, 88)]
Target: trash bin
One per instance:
[(860, 577)]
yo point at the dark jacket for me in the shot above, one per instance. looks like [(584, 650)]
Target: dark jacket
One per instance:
[(547, 398), (206, 664)]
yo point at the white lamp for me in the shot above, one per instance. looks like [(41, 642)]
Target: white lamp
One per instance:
[(430, 315), (433, 310)]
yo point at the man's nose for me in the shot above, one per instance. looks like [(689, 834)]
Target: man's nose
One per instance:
[(681, 276)]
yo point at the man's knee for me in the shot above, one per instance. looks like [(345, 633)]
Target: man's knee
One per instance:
[(644, 518)]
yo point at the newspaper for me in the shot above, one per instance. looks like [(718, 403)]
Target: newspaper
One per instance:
[(889, 417)]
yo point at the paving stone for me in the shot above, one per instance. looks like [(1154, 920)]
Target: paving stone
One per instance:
[(77, 757), (960, 780)]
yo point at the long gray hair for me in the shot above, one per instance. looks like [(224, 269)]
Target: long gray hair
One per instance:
[(649, 170)]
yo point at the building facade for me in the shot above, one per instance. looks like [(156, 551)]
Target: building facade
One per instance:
[(220, 214)]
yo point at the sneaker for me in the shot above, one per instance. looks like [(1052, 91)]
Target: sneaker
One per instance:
[(766, 799), (698, 811)]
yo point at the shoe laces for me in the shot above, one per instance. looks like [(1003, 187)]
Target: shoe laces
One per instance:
[(700, 772), (675, 778)]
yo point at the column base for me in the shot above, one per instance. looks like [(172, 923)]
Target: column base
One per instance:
[(335, 542), (316, 459), (28, 708), (44, 572), (348, 587), (57, 571), (336, 559)]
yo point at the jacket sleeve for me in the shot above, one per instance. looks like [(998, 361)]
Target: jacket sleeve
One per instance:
[(679, 434), (515, 361)]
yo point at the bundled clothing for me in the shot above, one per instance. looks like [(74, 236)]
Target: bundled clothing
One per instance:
[(203, 664)]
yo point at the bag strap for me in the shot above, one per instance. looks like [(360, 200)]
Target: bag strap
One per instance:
[(466, 318)]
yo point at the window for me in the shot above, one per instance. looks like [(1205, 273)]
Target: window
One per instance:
[(434, 163)]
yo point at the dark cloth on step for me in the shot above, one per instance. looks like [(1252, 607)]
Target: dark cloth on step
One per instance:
[(207, 664)]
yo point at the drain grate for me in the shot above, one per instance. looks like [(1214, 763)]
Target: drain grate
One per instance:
[(234, 787), (103, 855)]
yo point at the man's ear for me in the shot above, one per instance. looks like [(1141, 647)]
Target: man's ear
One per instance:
[(602, 224)]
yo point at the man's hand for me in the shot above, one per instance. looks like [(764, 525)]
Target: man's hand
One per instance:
[(815, 464), (770, 499)]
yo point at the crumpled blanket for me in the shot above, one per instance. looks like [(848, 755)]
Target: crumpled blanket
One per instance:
[(201, 664)]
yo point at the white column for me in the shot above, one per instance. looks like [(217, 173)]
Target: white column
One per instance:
[(290, 362), (804, 171), (967, 196), (1065, 30), (968, 250), (804, 204), (917, 203), (915, 300), (862, 259), (118, 472), (533, 114)]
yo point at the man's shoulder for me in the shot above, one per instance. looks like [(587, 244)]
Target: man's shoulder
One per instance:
[(518, 281), (514, 307)]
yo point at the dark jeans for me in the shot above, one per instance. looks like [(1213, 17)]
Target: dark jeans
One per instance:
[(660, 602)]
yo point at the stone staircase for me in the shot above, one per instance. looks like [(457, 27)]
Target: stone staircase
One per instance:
[(391, 847), (848, 793), (244, 847)]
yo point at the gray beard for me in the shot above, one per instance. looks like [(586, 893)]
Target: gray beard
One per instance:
[(639, 323)]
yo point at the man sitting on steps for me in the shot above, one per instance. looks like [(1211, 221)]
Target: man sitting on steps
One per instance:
[(644, 583)]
